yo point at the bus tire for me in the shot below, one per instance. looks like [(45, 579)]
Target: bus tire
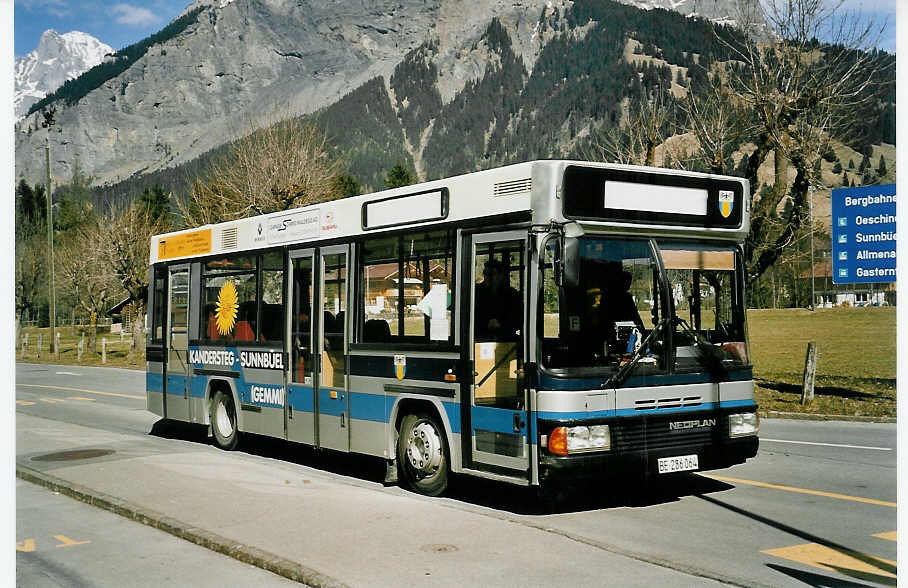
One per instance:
[(422, 454), (223, 421)]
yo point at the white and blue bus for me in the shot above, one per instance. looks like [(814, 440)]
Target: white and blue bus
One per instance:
[(535, 324)]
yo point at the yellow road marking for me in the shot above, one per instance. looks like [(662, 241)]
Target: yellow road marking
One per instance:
[(81, 398), (26, 546), (820, 556), (51, 400), (98, 392), (801, 490), (25, 403), (890, 536), (67, 542)]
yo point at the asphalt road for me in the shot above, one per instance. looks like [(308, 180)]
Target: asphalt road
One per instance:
[(816, 507)]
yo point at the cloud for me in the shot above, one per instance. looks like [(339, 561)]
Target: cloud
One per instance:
[(126, 14), (58, 8)]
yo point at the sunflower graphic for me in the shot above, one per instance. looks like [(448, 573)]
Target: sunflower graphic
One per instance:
[(226, 307)]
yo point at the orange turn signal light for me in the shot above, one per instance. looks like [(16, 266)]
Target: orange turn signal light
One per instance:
[(450, 378), (558, 441)]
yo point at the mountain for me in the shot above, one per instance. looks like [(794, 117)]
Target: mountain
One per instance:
[(222, 67), (57, 58)]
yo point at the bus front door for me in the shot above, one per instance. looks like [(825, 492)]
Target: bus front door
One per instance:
[(495, 418), (300, 410), (331, 399), (176, 382)]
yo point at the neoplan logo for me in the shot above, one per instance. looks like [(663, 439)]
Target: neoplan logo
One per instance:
[(696, 424)]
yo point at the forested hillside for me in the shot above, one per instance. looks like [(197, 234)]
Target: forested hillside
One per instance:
[(580, 86)]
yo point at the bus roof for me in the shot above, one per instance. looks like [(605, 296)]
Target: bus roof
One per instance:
[(537, 188)]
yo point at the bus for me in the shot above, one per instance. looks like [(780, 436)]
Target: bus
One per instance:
[(537, 324)]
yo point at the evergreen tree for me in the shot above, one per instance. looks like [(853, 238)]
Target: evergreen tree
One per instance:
[(837, 168), (845, 183), (399, 176), (31, 206), (156, 202), (850, 164), (346, 185), (881, 169)]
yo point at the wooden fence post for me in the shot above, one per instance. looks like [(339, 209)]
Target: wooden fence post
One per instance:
[(810, 373)]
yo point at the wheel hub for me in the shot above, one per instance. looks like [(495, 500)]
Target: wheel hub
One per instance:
[(222, 421), (424, 449)]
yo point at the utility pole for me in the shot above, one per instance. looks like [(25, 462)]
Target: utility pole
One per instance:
[(52, 292)]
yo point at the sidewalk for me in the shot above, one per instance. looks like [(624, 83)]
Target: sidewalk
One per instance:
[(310, 525)]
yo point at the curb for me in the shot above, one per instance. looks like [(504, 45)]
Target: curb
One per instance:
[(244, 553), (806, 416)]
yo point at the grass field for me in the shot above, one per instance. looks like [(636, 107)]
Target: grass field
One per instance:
[(856, 364), (117, 348)]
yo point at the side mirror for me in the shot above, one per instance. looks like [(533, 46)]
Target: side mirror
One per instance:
[(570, 260)]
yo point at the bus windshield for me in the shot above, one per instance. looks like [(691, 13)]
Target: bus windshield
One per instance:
[(708, 304), (624, 309)]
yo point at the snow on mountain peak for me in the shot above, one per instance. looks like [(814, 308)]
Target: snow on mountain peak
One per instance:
[(56, 59)]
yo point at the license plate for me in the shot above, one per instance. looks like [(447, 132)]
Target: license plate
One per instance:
[(680, 463)]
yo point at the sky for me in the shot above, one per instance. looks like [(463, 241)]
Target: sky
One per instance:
[(119, 23)]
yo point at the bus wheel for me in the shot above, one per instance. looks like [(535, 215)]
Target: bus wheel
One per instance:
[(223, 421), (423, 454)]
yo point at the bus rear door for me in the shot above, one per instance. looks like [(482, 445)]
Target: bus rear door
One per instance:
[(176, 382)]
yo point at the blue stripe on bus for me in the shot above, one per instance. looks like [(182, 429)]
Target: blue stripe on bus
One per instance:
[(500, 420), (331, 406), (197, 387), (749, 403), (176, 385), (453, 411), (301, 398), (370, 407), (154, 382), (363, 406)]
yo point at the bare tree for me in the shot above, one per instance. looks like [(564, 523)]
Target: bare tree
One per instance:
[(84, 274), (640, 131), (278, 167), (800, 93), (127, 235), (716, 119)]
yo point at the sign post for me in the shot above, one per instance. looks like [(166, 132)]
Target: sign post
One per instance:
[(863, 235)]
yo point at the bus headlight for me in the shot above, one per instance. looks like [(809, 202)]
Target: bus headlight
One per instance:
[(567, 440), (743, 424)]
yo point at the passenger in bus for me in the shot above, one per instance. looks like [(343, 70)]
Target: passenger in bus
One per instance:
[(498, 306), (618, 306)]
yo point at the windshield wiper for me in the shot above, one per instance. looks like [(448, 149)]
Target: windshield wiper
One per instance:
[(624, 371), (706, 352)]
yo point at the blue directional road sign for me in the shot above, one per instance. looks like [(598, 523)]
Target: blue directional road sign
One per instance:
[(863, 235)]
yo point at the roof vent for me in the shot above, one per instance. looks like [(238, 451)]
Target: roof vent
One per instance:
[(229, 238), (513, 187)]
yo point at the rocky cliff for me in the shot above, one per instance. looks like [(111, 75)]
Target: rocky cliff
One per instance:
[(243, 62)]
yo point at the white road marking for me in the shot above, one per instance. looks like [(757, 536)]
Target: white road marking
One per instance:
[(68, 374), (826, 444)]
